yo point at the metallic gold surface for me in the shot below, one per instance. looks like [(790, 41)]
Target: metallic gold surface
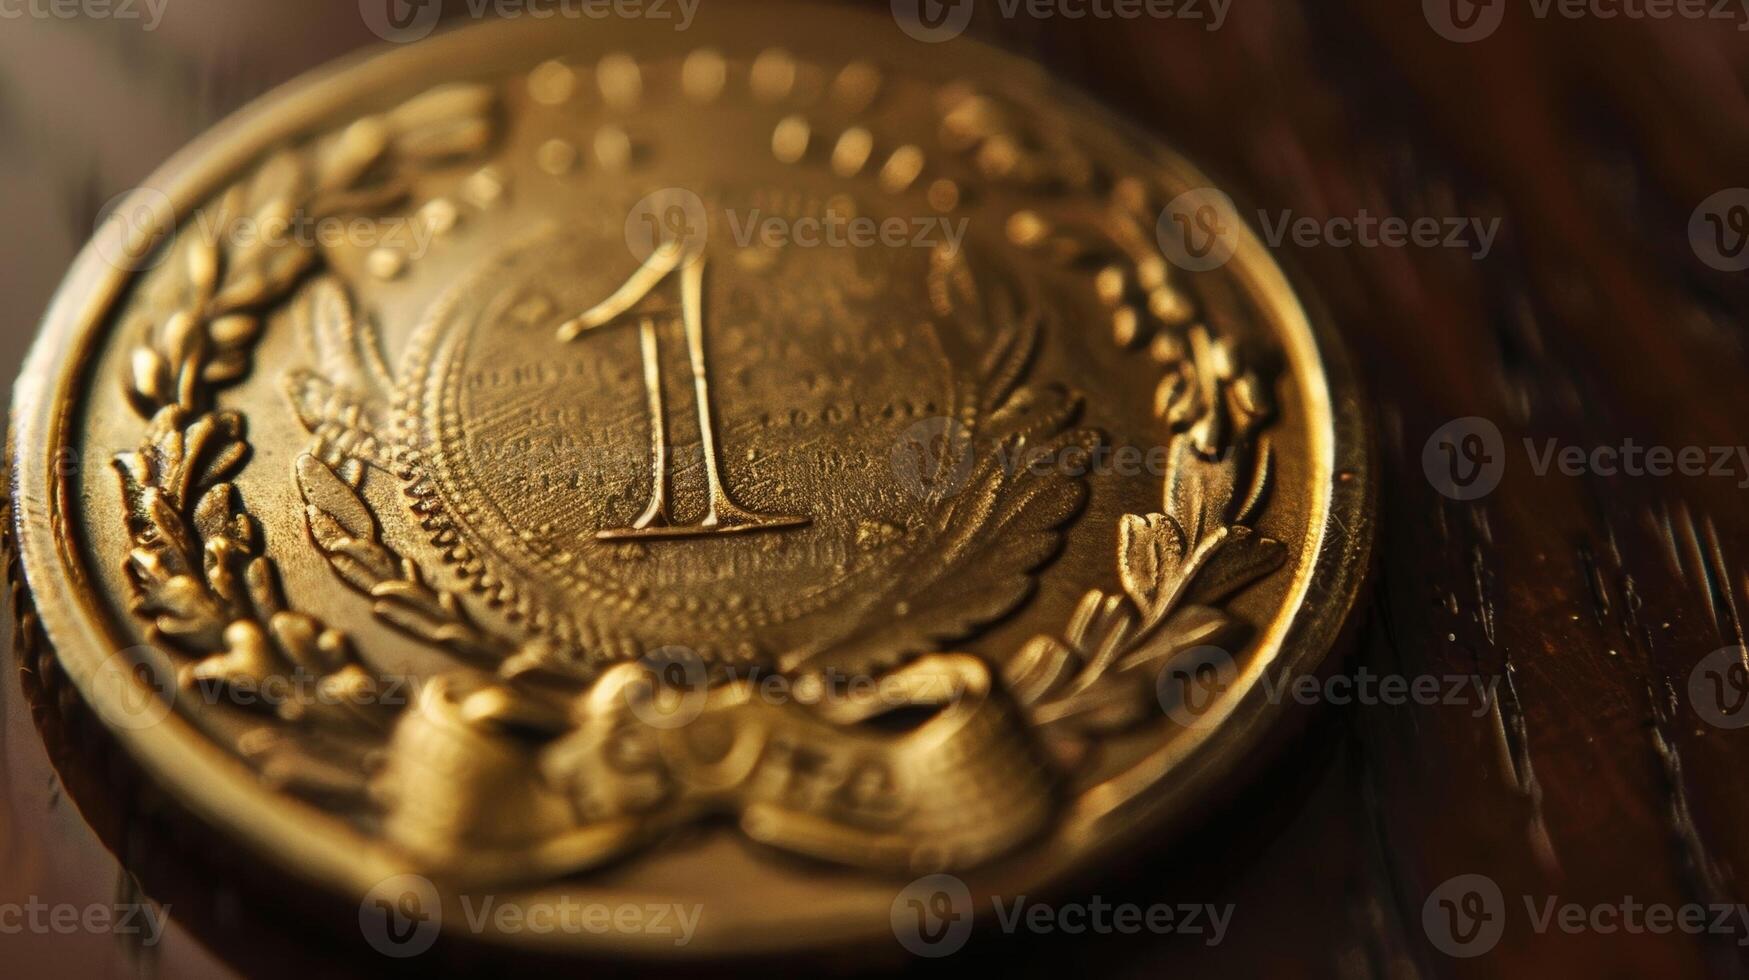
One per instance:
[(766, 470)]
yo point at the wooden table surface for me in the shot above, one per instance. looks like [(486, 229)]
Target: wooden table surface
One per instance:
[(1604, 772)]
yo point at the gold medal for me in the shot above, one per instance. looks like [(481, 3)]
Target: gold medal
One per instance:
[(771, 470)]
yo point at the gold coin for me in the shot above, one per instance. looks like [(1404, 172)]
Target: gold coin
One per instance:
[(785, 472)]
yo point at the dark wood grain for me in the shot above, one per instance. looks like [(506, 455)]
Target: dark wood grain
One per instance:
[(1587, 600)]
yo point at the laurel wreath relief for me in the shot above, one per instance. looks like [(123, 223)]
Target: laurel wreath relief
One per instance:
[(201, 578), (1099, 675), (345, 425), (197, 566)]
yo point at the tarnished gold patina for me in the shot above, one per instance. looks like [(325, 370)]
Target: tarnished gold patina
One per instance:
[(693, 452)]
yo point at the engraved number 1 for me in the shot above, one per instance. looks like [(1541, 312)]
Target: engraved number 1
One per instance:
[(723, 515)]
